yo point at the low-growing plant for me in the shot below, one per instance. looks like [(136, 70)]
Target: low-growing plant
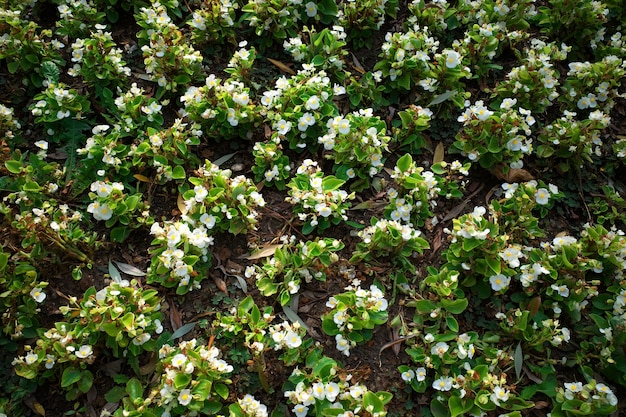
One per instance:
[(224, 110), (110, 204), (270, 164), (98, 60), (354, 314), (321, 387), (466, 373), (362, 17), (356, 142), (121, 317), (22, 292), (299, 107), (324, 49), (495, 137), (214, 23), (169, 58), (278, 19), (392, 240), (318, 200), (25, 46), (191, 378), (295, 263)]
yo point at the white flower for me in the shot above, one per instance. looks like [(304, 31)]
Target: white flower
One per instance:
[(300, 410), (453, 59), (84, 352), (408, 375), (179, 360), (42, 144), (185, 397), (443, 384), (499, 394), (313, 103), (439, 349), (343, 345), (31, 358), (38, 294), (311, 9), (50, 361), (100, 211), (542, 196), (323, 209), (332, 390), (511, 256), (318, 390), (562, 290), (305, 121), (292, 340), (499, 282), (420, 374)]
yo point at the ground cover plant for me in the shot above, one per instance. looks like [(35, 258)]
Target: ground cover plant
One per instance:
[(313, 208)]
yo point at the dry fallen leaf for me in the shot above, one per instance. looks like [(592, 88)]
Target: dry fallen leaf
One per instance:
[(440, 151), (34, 405), (281, 66), (175, 319), (513, 175), (141, 178), (180, 202), (265, 252)]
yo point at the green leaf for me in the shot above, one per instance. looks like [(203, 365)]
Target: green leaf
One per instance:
[(458, 406), (404, 163), (134, 389), (85, 382), (455, 306), (115, 394), (178, 173), (452, 324), (441, 98), (331, 183), (14, 167), (221, 390), (70, 376)]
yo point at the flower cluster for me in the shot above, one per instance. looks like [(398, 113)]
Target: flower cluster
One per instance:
[(356, 143), (181, 258), (192, 377), (24, 292), (468, 380), (318, 199), (214, 23), (592, 85), (300, 106), (98, 60), (361, 18), (593, 398), (121, 316), (224, 110), (57, 104), (323, 49), (574, 138), (270, 164), (412, 197), (293, 264), (322, 388), (534, 83), (354, 314), (9, 126), (77, 18), (136, 110), (110, 204), (169, 58), (167, 151), (492, 137), (279, 19), (390, 239)]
